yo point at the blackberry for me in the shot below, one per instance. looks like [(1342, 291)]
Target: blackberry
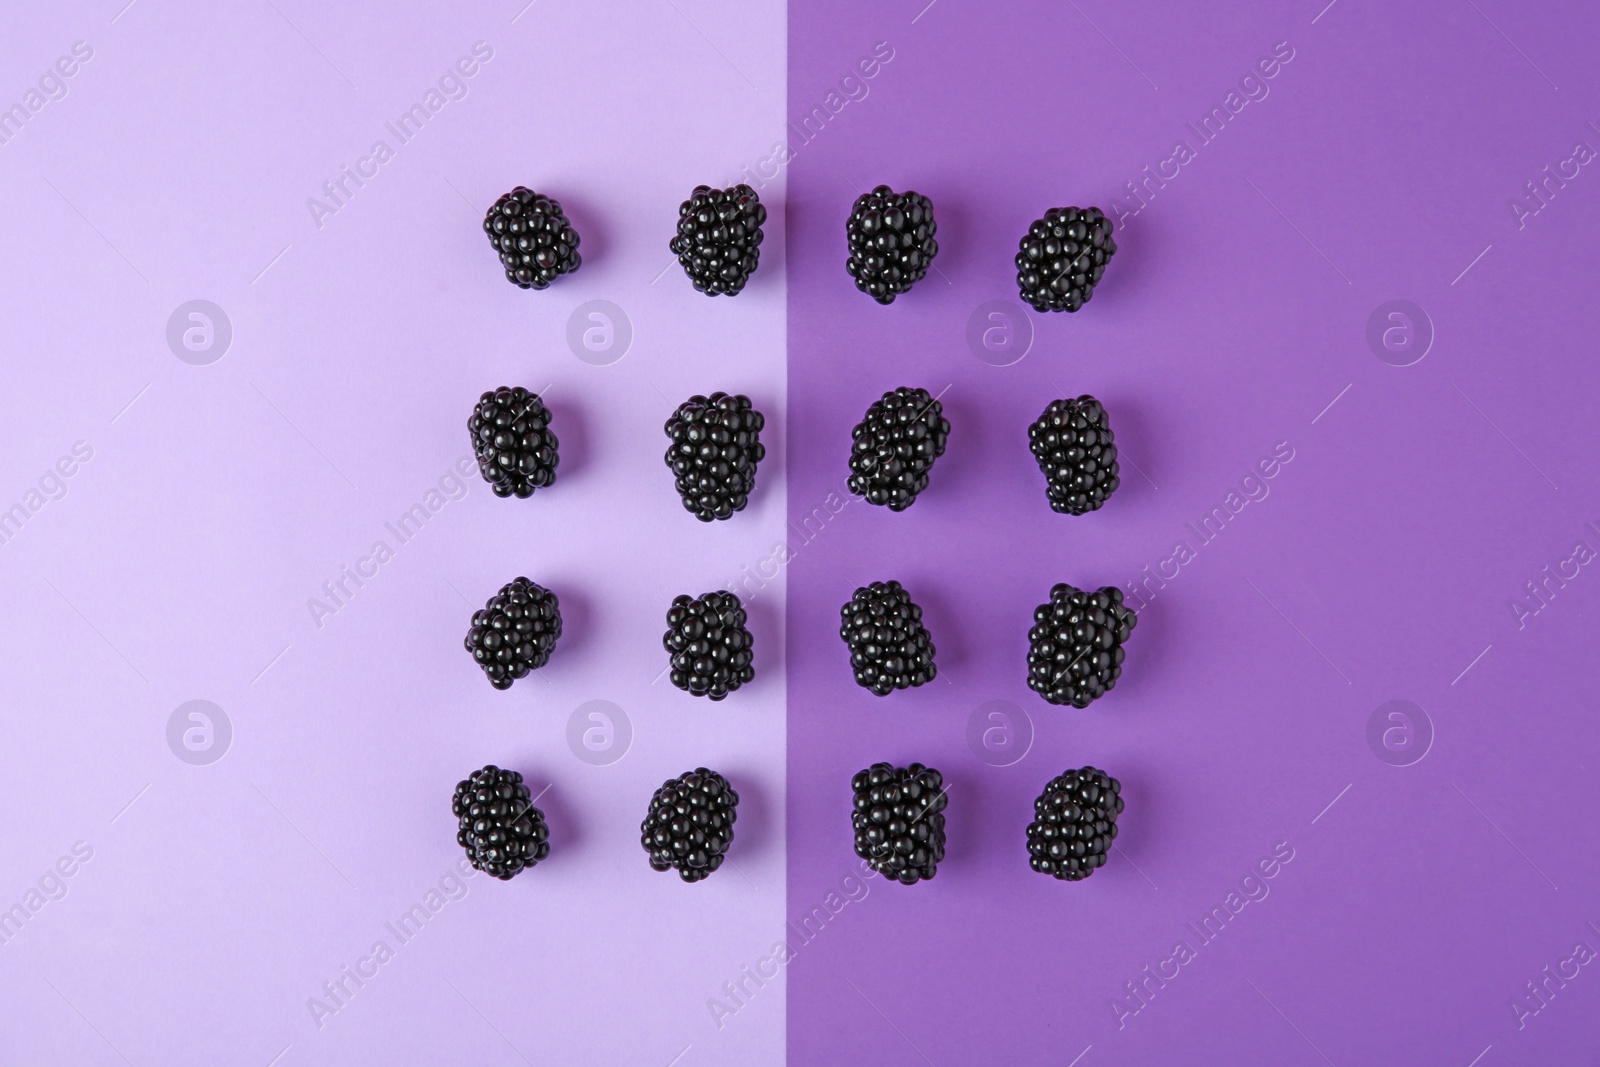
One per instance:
[(501, 830), (891, 242), (690, 824), (1077, 452), (1075, 645), (719, 238), (716, 445), (899, 820), (511, 436), (1063, 256), (1074, 823), (889, 647), (710, 644), (515, 631), (535, 241), (894, 445)]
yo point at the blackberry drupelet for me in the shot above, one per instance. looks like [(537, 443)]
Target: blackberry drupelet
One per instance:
[(535, 241), (889, 647), (719, 238), (501, 830), (511, 436), (1063, 256), (1074, 823), (515, 631), (709, 644), (1077, 453), (690, 824), (899, 820), (716, 445), (894, 445), (891, 242), (1075, 645)]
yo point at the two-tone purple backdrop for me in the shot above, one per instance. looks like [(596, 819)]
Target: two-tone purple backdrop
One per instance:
[(1346, 348)]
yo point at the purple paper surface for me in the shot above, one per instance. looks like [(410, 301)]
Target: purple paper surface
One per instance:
[(1407, 510)]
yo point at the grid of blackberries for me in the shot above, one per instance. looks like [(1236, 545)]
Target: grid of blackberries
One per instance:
[(898, 818), (690, 824), (511, 436), (1075, 646), (891, 242), (1062, 257), (515, 631), (709, 643), (894, 445), (1074, 823), (500, 828), (718, 243), (535, 241), (716, 446), (1076, 450)]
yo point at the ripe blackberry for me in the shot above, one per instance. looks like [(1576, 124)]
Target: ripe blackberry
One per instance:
[(716, 444), (1075, 645), (535, 241), (889, 647), (690, 824), (891, 242), (719, 238), (515, 631), (501, 830), (1063, 256), (899, 820), (1074, 823), (710, 644), (512, 439), (1076, 450), (894, 445)]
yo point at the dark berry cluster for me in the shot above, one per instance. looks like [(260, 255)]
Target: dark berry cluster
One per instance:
[(898, 818), (1074, 823), (500, 828), (716, 445), (535, 241), (709, 644), (1063, 256), (515, 631), (891, 242), (690, 824), (718, 243), (894, 445), (889, 647), (512, 439), (1075, 448), (1075, 646)]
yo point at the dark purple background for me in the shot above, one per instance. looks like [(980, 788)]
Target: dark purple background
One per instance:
[(1379, 567)]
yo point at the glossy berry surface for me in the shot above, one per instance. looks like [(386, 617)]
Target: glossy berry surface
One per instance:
[(716, 447), (511, 436), (535, 241), (1074, 823), (515, 632), (709, 644), (898, 817), (1077, 453), (718, 243), (1075, 646), (893, 447), (889, 647), (891, 242), (500, 828), (689, 826), (1063, 256)]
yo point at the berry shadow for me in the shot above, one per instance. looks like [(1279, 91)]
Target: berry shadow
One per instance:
[(577, 624), (753, 837), (952, 475), (943, 623), (567, 832), (766, 635), (571, 428), (591, 236), (1129, 424)]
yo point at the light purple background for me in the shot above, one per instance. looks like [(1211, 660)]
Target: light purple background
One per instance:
[(220, 501), (1379, 567)]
